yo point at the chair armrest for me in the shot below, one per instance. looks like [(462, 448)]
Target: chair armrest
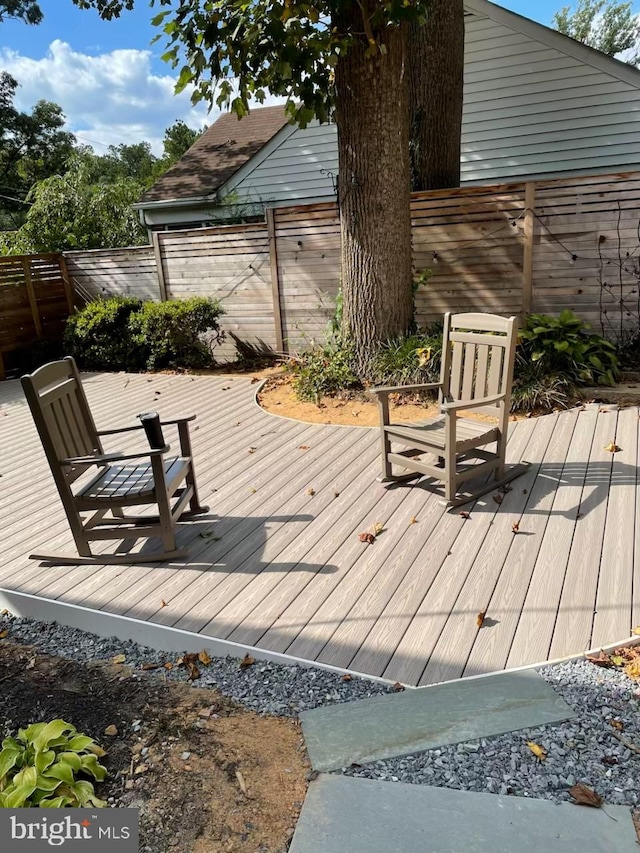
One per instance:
[(106, 458), (472, 404), (395, 389), (170, 422)]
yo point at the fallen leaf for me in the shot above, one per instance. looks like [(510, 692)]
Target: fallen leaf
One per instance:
[(632, 670), (378, 527), (636, 630), (346, 677), (480, 618), (616, 724), (601, 659), (119, 659), (255, 379), (515, 528), (464, 514), (397, 687), (163, 603), (311, 492), (148, 667), (585, 796), (413, 520), (241, 782), (253, 491), (204, 658), (4, 633), (539, 751), (141, 768), (498, 499), (303, 447), (252, 450), (617, 660), (168, 665), (6, 612), (612, 447), (188, 661), (246, 661), (367, 537), (336, 494), (111, 731)]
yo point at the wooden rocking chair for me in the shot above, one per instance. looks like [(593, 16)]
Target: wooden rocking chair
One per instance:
[(73, 446), (478, 353)]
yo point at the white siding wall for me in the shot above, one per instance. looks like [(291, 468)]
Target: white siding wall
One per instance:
[(529, 111)]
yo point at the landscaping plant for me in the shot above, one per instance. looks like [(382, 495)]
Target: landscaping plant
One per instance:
[(41, 765), (123, 333)]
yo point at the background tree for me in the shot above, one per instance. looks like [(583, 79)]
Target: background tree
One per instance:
[(610, 27), (71, 211), (436, 63), (29, 10), (33, 146), (177, 140)]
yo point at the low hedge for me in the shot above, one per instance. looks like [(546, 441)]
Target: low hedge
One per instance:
[(123, 333)]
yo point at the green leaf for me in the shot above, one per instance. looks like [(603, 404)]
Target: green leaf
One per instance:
[(90, 765), (44, 760), (56, 803), (51, 732), (27, 776), (18, 796), (159, 18), (60, 770), (80, 743), (536, 356), (561, 346), (8, 760)]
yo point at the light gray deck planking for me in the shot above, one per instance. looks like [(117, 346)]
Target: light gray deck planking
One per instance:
[(289, 573)]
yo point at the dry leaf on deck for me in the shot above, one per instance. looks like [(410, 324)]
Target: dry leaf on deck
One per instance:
[(464, 514), (367, 537), (413, 520), (585, 796), (480, 618), (601, 659), (163, 603), (336, 494), (378, 527), (303, 447), (208, 534), (204, 658), (311, 492), (612, 447), (119, 659), (515, 528), (255, 379), (539, 751), (246, 661)]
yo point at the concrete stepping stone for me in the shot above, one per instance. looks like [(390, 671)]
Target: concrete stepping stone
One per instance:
[(343, 814), (415, 720)]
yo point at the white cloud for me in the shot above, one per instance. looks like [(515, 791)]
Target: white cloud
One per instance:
[(108, 98)]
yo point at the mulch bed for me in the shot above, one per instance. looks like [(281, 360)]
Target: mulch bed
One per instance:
[(207, 775)]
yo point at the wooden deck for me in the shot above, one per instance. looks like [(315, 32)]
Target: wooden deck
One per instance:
[(278, 564)]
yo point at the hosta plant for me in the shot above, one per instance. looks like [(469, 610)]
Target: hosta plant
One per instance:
[(41, 767)]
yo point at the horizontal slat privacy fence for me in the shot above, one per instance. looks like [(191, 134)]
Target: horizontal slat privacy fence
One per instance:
[(35, 300), (509, 249)]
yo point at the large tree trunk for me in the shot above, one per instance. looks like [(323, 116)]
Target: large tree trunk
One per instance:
[(436, 64), (372, 115)]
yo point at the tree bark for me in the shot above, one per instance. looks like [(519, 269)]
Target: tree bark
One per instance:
[(372, 115), (436, 65)]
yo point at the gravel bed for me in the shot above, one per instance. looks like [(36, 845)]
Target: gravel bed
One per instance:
[(582, 750), (268, 688)]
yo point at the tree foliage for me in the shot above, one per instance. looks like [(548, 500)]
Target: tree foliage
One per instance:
[(26, 10), (610, 27), (71, 211), (178, 139)]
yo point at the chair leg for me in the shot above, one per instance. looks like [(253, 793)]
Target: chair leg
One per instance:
[(167, 524), (387, 468), (449, 478), (501, 452)]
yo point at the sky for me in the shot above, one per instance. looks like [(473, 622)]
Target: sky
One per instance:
[(109, 78)]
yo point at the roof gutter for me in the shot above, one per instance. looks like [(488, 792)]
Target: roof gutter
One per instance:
[(176, 202)]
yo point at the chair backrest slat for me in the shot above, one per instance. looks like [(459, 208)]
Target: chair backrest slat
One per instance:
[(495, 371), (482, 369), (62, 417), (455, 376)]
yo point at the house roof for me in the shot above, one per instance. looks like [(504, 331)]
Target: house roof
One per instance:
[(216, 155)]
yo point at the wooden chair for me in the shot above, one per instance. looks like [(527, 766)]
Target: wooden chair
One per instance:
[(478, 353), (73, 447)]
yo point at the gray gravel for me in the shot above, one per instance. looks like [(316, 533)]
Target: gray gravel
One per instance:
[(583, 750), (267, 688)]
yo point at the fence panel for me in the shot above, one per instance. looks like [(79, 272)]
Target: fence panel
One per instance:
[(99, 273), (230, 263)]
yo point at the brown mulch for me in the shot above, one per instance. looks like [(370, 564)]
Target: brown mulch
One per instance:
[(239, 791)]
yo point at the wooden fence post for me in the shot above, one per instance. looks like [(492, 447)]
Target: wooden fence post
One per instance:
[(68, 290), (157, 251), (275, 278), (527, 257), (26, 267)]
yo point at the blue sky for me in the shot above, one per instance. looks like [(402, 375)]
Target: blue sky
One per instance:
[(107, 76)]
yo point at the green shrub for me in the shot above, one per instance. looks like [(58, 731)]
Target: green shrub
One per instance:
[(98, 336), (39, 767), (562, 346), (122, 333), (178, 333), (322, 370), (408, 360)]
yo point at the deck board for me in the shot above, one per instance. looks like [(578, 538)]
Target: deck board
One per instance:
[(283, 569)]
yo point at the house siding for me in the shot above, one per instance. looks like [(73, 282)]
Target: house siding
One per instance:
[(530, 110)]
